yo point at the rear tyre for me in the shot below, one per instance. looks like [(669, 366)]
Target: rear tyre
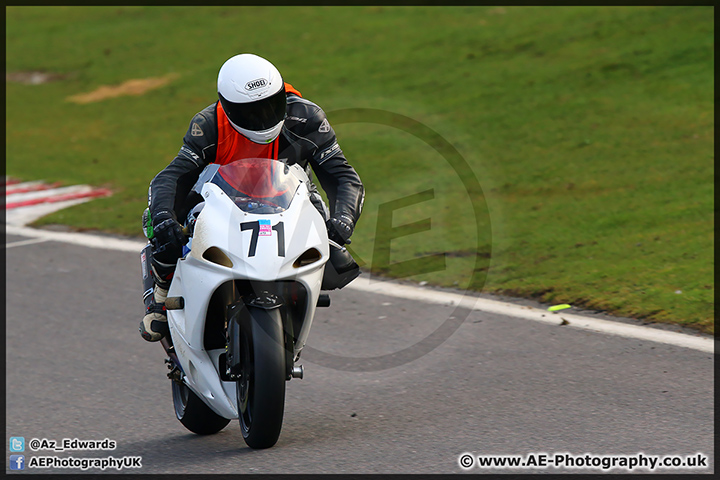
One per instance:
[(261, 389), (193, 413)]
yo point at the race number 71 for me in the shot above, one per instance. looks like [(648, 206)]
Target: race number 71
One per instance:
[(262, 227)]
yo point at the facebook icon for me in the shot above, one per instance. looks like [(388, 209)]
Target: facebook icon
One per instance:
[(17, 462)]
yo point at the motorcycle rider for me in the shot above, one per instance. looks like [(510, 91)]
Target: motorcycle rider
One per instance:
[(257, 115)]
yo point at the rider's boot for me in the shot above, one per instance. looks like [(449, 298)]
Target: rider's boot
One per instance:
[(156, 282), (154, 326)]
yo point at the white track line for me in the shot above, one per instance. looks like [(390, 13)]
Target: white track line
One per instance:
[(426, 295), (86, 240), (30, 241), (701, 343)]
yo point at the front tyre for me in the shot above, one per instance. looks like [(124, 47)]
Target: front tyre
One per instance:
[(193, 413), (261, 389)]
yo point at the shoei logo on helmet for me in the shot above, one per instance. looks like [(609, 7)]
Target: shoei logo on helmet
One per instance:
[(252, 85)]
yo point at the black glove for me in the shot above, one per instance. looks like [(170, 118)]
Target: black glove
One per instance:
[(340, 228), (167, 233)]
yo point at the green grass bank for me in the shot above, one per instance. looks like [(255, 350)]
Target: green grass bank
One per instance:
[(564, 154)]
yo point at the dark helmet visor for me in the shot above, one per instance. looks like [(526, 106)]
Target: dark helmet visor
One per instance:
[(257, 116)]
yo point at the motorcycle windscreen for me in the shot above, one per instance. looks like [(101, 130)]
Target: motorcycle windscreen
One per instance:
[(257, 185)]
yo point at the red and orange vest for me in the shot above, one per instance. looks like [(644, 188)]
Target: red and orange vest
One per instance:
[(233, 146)]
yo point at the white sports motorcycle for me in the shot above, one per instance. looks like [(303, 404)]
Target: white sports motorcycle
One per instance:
[(243, 297)]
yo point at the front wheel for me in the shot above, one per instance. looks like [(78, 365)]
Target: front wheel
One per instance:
[(261, 388), (193, 413)]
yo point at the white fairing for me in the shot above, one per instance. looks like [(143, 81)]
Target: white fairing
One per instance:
[(196, 278)]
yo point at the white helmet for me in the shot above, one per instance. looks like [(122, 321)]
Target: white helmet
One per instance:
[(252, 93)]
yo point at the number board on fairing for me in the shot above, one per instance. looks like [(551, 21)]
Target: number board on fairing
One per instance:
[(262, 228)]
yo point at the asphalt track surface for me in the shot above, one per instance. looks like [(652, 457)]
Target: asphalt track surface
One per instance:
[(76, 367)]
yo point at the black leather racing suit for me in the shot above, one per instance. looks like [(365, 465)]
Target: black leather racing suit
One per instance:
[(306, 139)]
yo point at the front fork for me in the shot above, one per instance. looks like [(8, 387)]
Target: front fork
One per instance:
[(237, 314)]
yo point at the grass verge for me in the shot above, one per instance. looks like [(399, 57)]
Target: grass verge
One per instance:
[(589, 129)]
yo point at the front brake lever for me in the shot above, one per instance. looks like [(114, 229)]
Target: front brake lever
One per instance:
[(336, 245)]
